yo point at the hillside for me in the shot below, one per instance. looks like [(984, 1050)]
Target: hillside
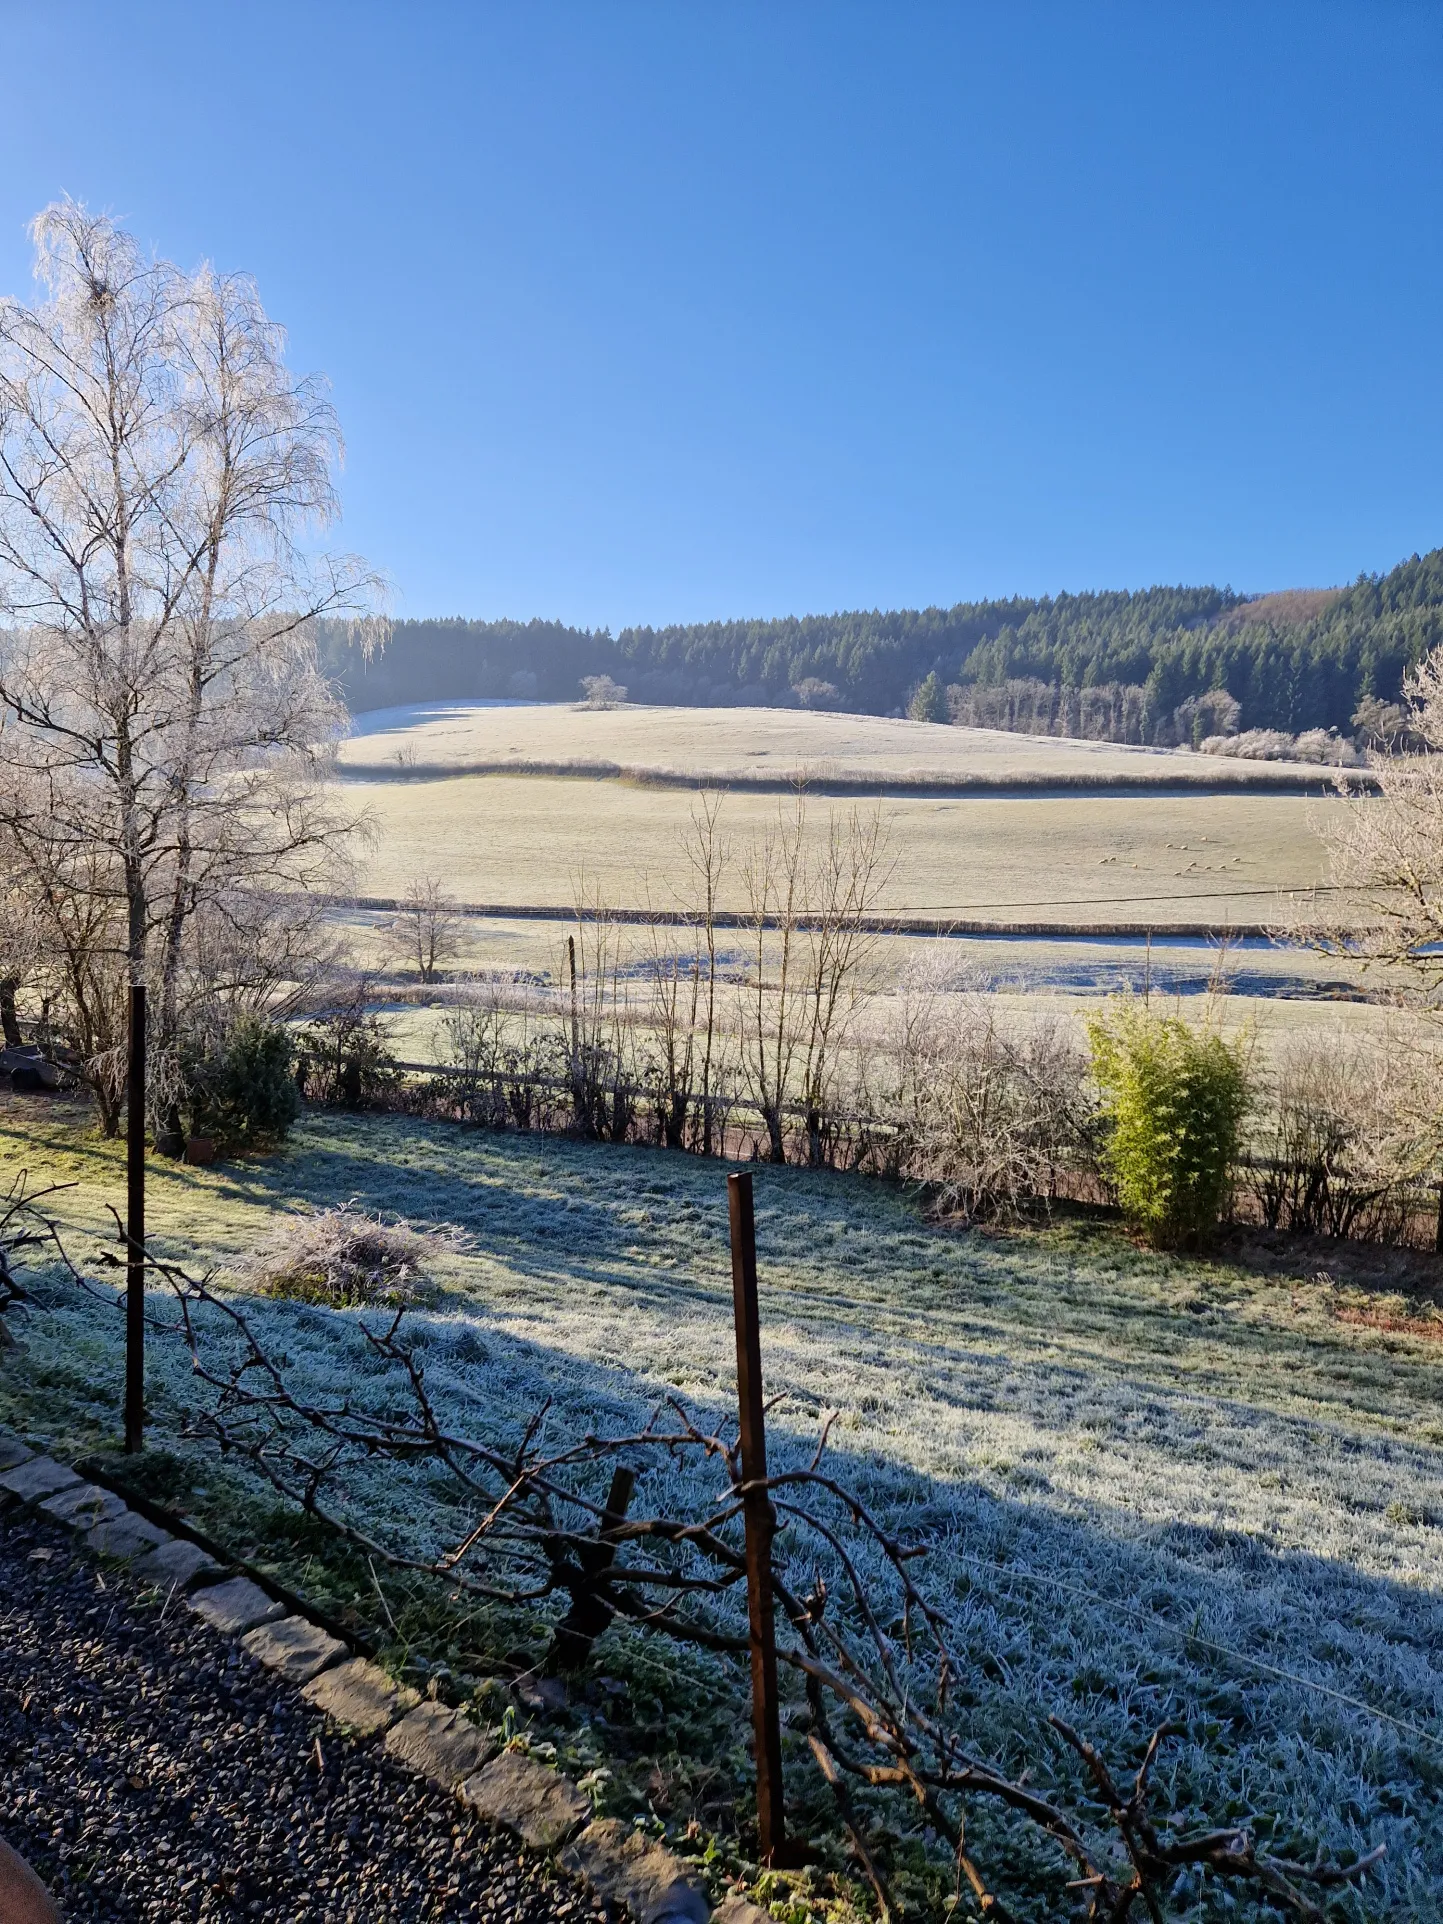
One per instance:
[(768, 748), (1291, 661), (517, 807)]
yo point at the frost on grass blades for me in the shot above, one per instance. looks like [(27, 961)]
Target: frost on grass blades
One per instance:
[(893, 1699), (1151, 1488)]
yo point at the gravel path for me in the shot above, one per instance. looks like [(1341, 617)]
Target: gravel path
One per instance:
[(149, 1770)]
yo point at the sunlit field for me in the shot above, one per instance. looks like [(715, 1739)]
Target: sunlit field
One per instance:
[(1139, 860), (768, 743), (1154, 1487)]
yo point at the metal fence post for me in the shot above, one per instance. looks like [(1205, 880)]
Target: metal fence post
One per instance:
[(759, 1519), (135, 1226)]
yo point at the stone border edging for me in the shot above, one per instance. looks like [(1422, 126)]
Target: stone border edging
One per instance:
[(181, 1528), (508, 1789)]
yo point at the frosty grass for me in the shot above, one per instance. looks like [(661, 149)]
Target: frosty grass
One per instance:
[(1120, 1460)]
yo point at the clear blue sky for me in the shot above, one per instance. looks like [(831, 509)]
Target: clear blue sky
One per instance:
[(648, 312)]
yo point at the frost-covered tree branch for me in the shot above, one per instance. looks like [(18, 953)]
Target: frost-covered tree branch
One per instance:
[(162, 712), (539, 1516)]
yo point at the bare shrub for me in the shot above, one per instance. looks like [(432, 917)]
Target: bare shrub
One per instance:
[(1353, 1127), (990, 1109), (344, 1059), (602, 691), (1322, 745), (599, 1065), (343, 1258), (503, 1064)]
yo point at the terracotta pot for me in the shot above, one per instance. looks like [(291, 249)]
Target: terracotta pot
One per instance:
[(200, 1148)]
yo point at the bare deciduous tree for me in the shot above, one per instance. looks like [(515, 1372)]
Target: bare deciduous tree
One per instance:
[(708, 854), (773, 871), (427, 931), (845, 881), (162, 705), (807, 909), (603, 1091), (602, 691), (1387, 853)]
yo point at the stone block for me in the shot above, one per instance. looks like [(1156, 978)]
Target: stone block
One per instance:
[(292, 1646), (235, 1606), (82, 1506), (515, 1792), (439, 1743), (734, 1909), (37, 1477), (360, 1695), (178, 1562), (624, 1867), (12, 1450), (127, 1535)]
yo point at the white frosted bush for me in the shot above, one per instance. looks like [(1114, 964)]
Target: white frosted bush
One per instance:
[(343, 1257)]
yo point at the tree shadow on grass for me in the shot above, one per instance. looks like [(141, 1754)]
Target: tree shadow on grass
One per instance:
[(1312, 1687)]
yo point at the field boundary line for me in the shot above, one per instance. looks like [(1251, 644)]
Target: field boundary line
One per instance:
[(922, 784), (919, 924)]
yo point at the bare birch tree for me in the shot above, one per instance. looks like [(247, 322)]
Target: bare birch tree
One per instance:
[(160, 699)]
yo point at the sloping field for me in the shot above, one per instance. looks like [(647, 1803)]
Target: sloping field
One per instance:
[(767, 746), (1137, 860), (1153, 1487)]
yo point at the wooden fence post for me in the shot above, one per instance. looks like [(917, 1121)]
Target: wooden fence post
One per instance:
[(760, 1522), (135, 1226)]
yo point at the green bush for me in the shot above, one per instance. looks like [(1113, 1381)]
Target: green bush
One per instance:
[(1174, 1098), (243, 1093)]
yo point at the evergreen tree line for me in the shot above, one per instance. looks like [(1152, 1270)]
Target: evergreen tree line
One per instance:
[(1145, 666)]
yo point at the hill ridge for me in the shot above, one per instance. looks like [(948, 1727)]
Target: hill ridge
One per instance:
[(1303, 659)]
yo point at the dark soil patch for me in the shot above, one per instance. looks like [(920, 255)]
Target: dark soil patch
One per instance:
[(1377, 1268)]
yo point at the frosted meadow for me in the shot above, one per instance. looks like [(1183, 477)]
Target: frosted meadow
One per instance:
[(1152, 1486)]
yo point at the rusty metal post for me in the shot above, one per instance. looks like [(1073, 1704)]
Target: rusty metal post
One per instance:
[(760, 1521), (135, 1226)]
